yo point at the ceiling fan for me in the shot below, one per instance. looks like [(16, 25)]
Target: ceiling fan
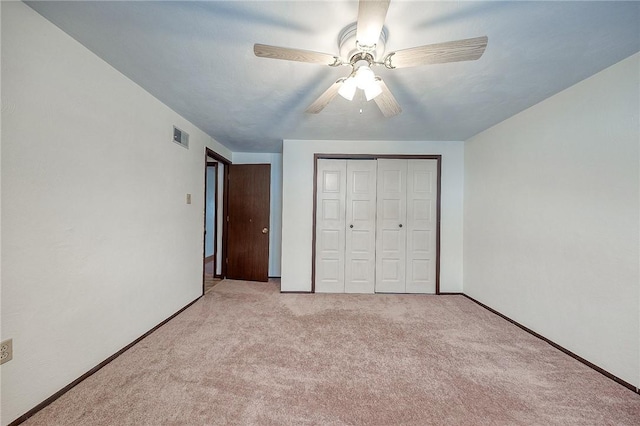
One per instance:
[(362, 43)]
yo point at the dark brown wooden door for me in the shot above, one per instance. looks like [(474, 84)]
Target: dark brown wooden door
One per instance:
[(248, 222)]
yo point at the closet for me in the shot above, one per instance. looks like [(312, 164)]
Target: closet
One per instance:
[(376, 225)]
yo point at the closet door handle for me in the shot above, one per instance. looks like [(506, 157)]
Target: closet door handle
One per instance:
[(350, 226), (400, 225)]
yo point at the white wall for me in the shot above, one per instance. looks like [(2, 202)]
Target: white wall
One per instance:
[(98, 243), (275, 217), (551, 229), (297, 204)]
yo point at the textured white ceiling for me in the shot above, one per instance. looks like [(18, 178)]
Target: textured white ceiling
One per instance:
[(197, 57)]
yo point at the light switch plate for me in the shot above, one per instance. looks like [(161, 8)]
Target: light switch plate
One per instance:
[(6, 351)]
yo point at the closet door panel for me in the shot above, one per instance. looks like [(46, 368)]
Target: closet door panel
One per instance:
[(331, 180), (360, 252), (421, 226), (391, 229)]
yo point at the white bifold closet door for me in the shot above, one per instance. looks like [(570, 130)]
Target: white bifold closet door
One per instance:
[(331, 184), (391, 244), (376, 224), (406, 226), (345, 226)]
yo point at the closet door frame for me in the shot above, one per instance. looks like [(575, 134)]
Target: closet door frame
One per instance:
[(374, 157)]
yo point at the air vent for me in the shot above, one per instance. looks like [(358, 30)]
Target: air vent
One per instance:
[(180, 137)]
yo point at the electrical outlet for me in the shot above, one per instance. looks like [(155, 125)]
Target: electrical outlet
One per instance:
[(6, 351)]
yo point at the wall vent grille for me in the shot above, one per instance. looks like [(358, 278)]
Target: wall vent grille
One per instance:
[(180, 137)]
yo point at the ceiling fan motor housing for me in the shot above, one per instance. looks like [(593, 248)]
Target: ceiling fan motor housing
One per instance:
[(348, 46)]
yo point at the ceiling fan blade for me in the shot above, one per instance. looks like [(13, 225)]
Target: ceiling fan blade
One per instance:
[(386, 102), (371, 15), (451, 51), (275, 52), (324, 99)]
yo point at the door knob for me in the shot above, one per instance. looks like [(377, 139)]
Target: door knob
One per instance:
[(350, 226), (400, 225), (265, 230)]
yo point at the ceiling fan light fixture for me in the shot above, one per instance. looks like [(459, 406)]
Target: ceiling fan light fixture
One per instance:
[(372, 90), (348, 88), (364, 77)]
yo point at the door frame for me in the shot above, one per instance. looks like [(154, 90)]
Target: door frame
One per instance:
[(209, 155), (215, 166), (318, 156)]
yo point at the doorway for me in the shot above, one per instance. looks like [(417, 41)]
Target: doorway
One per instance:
[(239, 247), (215, 194), (211, 226)]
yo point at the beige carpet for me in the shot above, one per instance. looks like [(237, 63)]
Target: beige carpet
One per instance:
[(245, 354), (209, 282)]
